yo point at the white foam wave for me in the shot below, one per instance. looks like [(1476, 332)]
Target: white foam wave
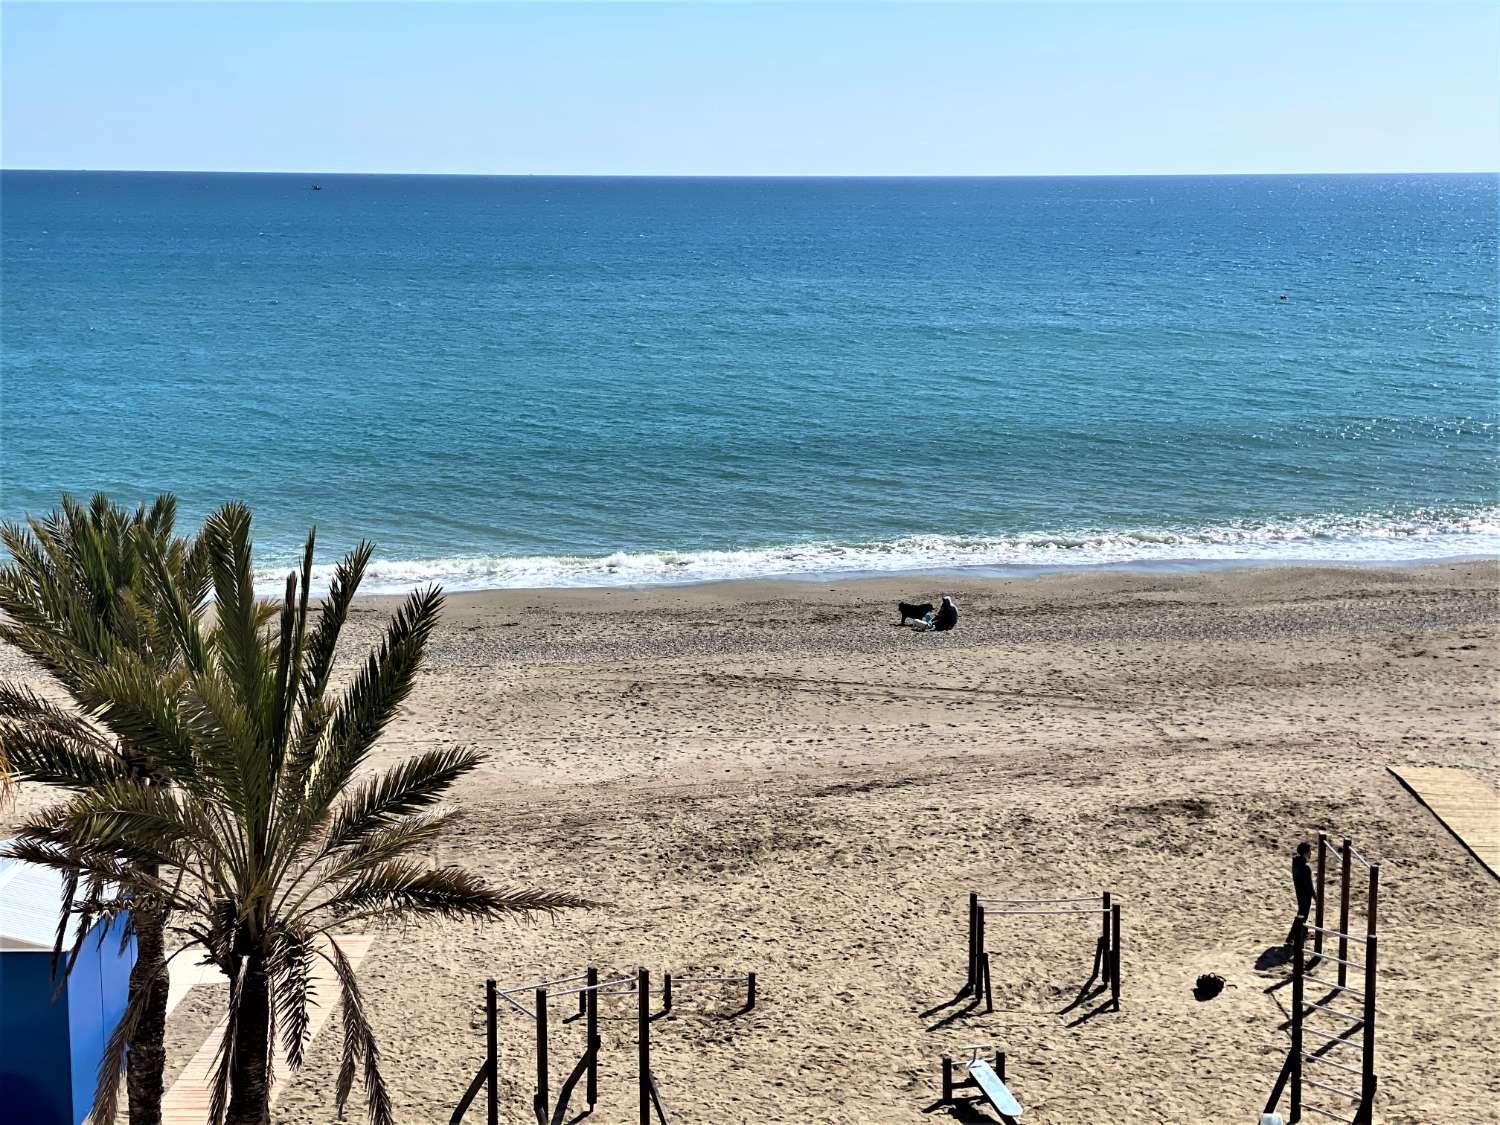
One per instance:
[(1353, 539)]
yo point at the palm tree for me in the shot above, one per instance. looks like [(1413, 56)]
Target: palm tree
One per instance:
[(266, 841), (86, 586)]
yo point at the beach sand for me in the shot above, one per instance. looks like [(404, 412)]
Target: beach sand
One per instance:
[(771, 777)]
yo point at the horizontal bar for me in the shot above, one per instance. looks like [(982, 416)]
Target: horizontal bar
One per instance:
[(595, 987), (1328, 1113), (743, 976), (1032, 901), (1330, 1089), (1355, 852), (544, 984), (1326, 1061), (517, 1007), (1337, 933), (1329, 984), (1333, 1011), (1330, 957), (1066, 910), (1342, 1040)]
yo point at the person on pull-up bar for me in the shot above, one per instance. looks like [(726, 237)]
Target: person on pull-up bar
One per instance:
[(1302, 883)]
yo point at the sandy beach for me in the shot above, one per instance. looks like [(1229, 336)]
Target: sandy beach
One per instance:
[(772, 777)]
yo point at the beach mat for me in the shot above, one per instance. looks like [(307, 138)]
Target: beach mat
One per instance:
[(1463, 804)]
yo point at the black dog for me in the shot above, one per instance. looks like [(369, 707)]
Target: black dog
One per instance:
[(917, 611)]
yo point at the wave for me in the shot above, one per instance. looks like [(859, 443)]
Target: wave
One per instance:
[(1371, 538)]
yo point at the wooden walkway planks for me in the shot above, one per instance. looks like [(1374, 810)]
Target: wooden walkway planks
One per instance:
[(1463, 804), (188, 1101)]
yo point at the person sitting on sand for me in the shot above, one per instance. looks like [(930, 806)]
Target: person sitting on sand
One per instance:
[(947, 616), (1302, 884)]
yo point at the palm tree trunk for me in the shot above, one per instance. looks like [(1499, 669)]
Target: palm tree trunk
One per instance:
[(146, 1055), (249, 1090)]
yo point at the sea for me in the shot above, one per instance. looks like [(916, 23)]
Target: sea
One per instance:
[(573, 381)]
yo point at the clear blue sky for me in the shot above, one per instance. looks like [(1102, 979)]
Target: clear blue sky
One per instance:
[(768, 88)]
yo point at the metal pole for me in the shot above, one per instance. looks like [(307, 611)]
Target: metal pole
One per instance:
[(643, 1041), (1115, 958), (1344, 916), (1298, 967), (1000, 1065), (750, 992), (591, 1080), (1318, 912), (1104, 920), (543, 1094), (1367, 1083), (492, 1054), (973, 934)]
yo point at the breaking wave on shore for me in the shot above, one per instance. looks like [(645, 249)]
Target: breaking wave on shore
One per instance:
[(1371, 538)]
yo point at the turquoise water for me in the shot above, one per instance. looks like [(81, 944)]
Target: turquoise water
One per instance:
[(543, 381)]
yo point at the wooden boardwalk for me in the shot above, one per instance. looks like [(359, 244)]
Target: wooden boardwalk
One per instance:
[(188, 1101), (1463, 804)]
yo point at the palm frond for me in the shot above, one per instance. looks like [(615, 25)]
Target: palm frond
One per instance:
[(417, 783), (375, 695), (359, 1044)]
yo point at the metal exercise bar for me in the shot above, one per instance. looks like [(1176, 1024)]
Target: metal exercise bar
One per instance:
[(1355, 852), (516, 1005), (1336, 933), (1330, 1113), (1070, 910), (543, 984), (1332, 1089), (1332, 1011), (741, 977), (1033, 901), (1326, 1061), (1327, 984), (593, 987), (1341, 1040), (1342, 961)]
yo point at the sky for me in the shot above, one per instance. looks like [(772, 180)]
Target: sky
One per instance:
[(772, 88)]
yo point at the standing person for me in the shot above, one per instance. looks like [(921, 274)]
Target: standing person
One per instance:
[(1302, 883), (947, 615)]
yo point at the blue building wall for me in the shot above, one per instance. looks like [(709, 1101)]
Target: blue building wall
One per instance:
[(50, 1050), (35, 1067)]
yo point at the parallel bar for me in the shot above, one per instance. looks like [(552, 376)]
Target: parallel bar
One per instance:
[(1341, 961), (1326, 1061), (1362, 859), (1070, 910), (1341, 1040), (518, 1007), (1328, 1113), (1332, 1089), (1329, 984), (543, 984), (1033, 901), (741, 977), (1334, 933), (585, 988), (1333, 1011)]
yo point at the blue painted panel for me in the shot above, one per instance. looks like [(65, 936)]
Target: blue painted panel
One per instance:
[(85, 1026), (35, 1080)]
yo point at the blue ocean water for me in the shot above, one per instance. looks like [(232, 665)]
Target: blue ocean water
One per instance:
[(545, 381)]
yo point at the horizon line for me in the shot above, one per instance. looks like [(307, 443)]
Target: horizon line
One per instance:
[(763, 175)]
